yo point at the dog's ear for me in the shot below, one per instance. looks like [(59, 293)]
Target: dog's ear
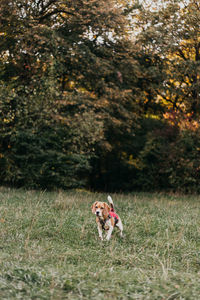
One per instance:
[(93, 207), (106, 210)]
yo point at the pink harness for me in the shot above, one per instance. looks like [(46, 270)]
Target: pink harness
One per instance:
[(114, 215)]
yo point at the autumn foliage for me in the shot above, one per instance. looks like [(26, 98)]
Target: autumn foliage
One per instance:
[(100, 94)]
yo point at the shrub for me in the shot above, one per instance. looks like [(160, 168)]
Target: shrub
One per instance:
[(40, 150), (170, 159)]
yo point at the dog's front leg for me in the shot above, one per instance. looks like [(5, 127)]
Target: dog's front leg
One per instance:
[(110, 230), (100, 231)]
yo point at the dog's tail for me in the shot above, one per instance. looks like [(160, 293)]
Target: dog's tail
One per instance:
[(111, 203)]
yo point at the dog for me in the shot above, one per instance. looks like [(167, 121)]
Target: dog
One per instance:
[(106, 218)]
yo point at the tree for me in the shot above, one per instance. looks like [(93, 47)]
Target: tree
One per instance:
[(63, 62), (172, 34)]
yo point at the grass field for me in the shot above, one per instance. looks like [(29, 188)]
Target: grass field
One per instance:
[(50, 249)]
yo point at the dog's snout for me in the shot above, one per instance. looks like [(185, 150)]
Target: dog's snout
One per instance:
[(97, 213)]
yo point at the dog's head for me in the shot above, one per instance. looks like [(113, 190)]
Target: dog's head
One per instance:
[(101, 209)]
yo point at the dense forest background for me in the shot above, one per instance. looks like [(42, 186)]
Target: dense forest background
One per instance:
[(100, 94)]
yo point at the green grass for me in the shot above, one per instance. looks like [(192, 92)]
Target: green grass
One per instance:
[(49, 247)]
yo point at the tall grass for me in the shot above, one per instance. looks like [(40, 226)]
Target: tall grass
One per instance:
[(49, 247)]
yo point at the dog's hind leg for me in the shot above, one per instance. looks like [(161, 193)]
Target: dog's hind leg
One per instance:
[(120, 226)]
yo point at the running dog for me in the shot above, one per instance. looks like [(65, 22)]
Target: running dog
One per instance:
[(106, 218)]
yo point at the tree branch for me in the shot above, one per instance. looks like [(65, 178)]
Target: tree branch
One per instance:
[(54, 12), (44, 7), (181, 54), (197, 56)]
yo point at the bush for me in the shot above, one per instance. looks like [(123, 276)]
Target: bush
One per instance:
[(170, 159), (38, 148)]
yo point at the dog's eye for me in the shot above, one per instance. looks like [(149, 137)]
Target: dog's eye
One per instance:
[(102, 207), (96, 206)]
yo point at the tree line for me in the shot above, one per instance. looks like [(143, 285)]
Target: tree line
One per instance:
[(103, 95)]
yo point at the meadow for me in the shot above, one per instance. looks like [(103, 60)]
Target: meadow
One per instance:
[(49, 247)]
